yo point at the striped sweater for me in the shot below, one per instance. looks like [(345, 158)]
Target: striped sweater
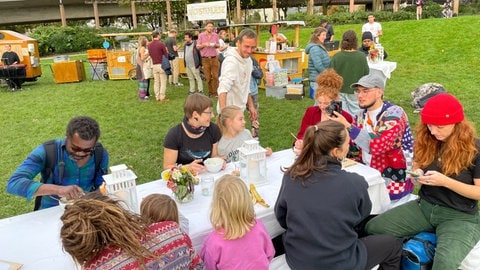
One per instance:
[(166, 240)]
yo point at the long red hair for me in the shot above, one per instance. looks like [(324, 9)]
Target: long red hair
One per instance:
[(455, 154)]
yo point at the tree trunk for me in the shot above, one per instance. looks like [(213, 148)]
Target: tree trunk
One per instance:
[(310, 7), (239, 13)]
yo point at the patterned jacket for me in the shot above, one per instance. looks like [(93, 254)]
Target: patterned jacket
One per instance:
[(390, 142), (166, 240)]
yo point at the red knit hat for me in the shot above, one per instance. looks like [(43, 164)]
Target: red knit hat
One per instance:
[(442, 109)]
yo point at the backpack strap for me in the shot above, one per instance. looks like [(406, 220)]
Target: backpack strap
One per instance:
[(51, 161), (97, 156)]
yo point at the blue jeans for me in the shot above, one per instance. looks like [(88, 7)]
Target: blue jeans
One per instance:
[(457, 232)]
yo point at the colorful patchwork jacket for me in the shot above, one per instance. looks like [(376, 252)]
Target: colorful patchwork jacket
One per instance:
[(390, 143)]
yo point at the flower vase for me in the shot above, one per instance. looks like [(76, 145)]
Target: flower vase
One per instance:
[(184, 194)]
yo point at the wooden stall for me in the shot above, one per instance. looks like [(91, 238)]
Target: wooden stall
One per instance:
[(27, 50), (292, 58), (68, 71)]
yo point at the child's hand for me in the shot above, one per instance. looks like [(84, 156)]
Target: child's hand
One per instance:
[(269, 151)]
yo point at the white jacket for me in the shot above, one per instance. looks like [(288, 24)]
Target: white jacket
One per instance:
[(235, 78)]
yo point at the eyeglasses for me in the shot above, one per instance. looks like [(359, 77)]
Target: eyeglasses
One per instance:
[(77, 149), (363, 91), (210, 112)]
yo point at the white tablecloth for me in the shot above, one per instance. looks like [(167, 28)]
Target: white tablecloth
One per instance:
[(386, 67), (33, 239), (197, 211)]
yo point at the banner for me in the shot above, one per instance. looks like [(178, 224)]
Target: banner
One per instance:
[(207, 11)]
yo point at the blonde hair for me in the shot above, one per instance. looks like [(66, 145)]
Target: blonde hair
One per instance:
[(142, 41), (159, 207), (329, 84), (232, 208), (90, 225), (228, 112)]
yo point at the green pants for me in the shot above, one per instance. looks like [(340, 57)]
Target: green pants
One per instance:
[(457, 232)]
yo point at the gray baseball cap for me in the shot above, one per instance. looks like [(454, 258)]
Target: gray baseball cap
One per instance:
[(372, 80)]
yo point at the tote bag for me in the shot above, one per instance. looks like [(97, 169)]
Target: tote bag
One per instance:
[(147, 68)]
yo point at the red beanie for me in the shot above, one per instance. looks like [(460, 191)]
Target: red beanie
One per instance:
[(442, 109)]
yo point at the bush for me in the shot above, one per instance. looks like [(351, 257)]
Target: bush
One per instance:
[(431, 10), (55, 39)]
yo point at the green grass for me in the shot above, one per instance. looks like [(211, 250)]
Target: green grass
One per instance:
[(431, 50)]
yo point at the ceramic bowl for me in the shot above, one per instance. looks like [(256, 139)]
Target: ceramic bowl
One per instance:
[(213, 164)]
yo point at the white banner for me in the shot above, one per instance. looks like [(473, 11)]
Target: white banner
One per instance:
[(207, 11)]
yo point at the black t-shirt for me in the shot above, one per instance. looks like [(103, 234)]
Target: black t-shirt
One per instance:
[(188, 148), (446, 197), (170, 42), (9, 58)]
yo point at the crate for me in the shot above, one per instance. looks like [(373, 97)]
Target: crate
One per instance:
[(294, 96), (95, 54), (275, 91), (295, 89)]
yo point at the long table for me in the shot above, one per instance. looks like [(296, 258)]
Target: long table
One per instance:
[(32, 239), (386, 67)]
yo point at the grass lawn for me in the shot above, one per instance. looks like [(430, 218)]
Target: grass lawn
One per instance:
[(432, 50)]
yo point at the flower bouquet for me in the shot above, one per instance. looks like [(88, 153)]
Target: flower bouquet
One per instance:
[(374, 55), (181, 180)]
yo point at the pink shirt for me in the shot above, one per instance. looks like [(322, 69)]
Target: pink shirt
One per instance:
[(253, 251), (205, 38)]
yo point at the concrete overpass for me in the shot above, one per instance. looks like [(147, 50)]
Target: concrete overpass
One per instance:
[(16, 12)]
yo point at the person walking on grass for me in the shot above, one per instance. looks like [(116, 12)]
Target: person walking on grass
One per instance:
[(234, 87), (193, 63), (171, 43), (157, 51), (208, 43)]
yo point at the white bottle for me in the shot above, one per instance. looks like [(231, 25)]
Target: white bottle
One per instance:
[(379, 47)]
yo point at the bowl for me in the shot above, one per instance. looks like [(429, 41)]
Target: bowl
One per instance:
[(213, 164)]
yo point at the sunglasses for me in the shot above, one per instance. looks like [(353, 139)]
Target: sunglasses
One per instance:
[(77, 149)]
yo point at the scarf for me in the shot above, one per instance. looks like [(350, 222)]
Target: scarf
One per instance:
[(192, 129)]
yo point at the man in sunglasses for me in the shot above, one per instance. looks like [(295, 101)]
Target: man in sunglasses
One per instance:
[(74, 171)]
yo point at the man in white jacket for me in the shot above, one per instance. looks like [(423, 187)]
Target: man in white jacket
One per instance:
[(236, 70)]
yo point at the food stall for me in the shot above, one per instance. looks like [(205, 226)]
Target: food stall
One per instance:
[(290, 58), (120, 64), (27, 50)]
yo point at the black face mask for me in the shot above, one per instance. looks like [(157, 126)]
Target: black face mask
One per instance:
[(191, 129)]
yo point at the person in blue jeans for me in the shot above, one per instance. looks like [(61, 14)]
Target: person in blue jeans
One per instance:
[(447, 160), (257, 74)]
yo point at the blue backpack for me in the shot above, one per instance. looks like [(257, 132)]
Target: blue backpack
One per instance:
[(418, 251)]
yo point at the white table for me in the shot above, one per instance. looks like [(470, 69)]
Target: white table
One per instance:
[(197, 212), (386, 67), (33, 239)]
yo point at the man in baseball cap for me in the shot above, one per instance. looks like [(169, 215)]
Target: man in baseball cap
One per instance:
[(382, 134)]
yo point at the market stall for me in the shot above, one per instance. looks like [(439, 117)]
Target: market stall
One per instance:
[(27, 50)]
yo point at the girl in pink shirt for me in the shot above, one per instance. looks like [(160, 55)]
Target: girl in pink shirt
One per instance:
[(239, 241)]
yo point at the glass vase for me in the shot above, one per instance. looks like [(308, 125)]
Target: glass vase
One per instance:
[(183, 194)]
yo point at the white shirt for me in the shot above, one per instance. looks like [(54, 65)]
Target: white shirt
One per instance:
[(372, 28)]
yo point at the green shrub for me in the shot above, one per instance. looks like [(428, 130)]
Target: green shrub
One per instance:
[(55, 39)]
